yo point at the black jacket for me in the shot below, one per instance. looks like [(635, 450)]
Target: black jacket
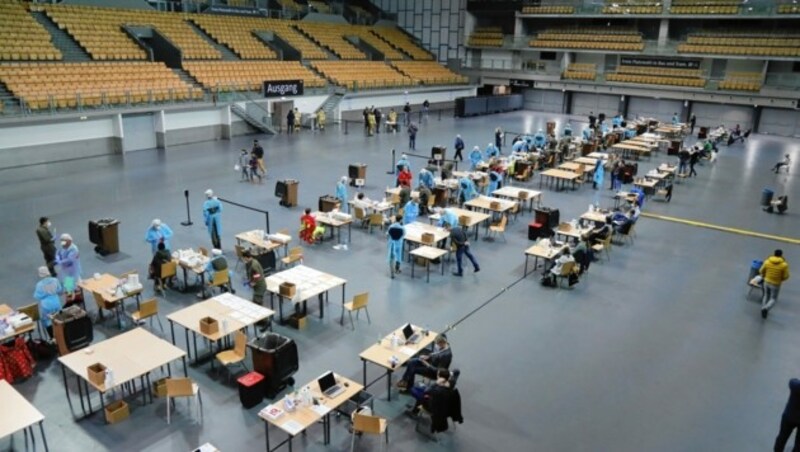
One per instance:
[(443, 403), (792, 410)]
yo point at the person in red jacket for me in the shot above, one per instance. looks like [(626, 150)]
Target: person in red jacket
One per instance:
[(404, 178), (307, 226)]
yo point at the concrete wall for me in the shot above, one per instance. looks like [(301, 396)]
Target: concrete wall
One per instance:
[(352, 104)]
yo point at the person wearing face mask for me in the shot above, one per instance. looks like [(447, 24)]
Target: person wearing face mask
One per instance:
[(212, 214), (426, 365), (158, 232), (69, 259), (47, 243), (48, 291)]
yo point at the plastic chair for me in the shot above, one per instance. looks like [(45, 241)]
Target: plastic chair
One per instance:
[(371, 425), (295, 255), (358, 303), (32, 311), (500, 227), (148, 310), (185, 388), (236, 355), (567, 269)]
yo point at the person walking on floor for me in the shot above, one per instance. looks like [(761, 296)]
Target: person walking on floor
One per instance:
[(459, 146), (412, 136), (258, 153), (212, 217), (775, 271), (693, 159), (692, 122), (790, 420), (47, 243), (458, 237), (407, 114)]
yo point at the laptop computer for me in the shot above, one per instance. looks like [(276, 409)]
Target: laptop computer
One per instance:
[(328, 386), (410, 335)]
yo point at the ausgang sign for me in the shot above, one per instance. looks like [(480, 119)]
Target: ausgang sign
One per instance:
[(278, 88)]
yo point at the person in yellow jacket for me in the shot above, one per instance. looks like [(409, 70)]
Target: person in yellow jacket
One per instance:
[(321, 119), (775, 271), (371, 122)]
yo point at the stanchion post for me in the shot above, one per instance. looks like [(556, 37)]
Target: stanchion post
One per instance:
[(188, 221), (393, 164)]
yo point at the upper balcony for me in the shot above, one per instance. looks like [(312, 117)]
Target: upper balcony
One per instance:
[(656, 9)]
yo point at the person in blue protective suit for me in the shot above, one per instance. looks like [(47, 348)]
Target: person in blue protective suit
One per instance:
[(475, 157), (568, 130), (69, 259), (212, 215), (158, 232), (599, 174), (218, 263), (616, 121), (540, 139), (520, 146), (403, 162), (467, 190), (395, 233), (604, 128), (587, 134), (341, 194), (495, 179), (448, 217), (426, 178), (48, 291), (675, 119), (411, 210), (630, 133), (491, 151)]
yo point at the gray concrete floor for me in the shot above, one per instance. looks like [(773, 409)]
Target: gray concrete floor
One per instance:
[(656, 350)]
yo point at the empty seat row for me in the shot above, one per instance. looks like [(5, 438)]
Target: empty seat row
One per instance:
[(332, 37), (21, 37), (552, 36), (554, 9), (429, 72), (656, 80), (617, 46), (580, 71), (739, 50), (626, 9), (671, 72), (401, 41), (362, 74), (249, 75), (706, 9)]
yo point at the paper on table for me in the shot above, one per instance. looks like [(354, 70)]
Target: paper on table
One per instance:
[(322, 410), (407, 351), (292, 427)]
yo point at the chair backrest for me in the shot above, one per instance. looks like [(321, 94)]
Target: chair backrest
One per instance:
[(366, 424), (359, 213), (98, 298), (148, 308), (239, 251), (296, 251), (169, 269), (220, 278), (203, 251), (360, 300), (376, 219), (179, 387), (31, 310), (523, 195), (240, 344), (431, 201), (567, 268)]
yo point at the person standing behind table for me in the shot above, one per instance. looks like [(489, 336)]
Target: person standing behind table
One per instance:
[(69, 259), (692, 123), (491, 151), (212, 215), (411, 210), (475, 157), (158, 232), (426, 178), (683, 160), (459, 146), (568, 130), (48, 291), (341, 194), (47, 243), (592, 120), (407, 114), (392, 121), (448, 217), (599, 174), (371, 122), (458, 237), (404, 178), (258, 152), (775, 271), (412, 136), (790, 420), (498, 139), (290, 118), (395, 233), (254, 275)]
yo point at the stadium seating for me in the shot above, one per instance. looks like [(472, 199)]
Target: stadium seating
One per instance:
[(429, 73), (690, 78), (581, 71), (783, 45), (362, 74), (626, 40), (788, 9), (236, 33), (21, 37), (486, 37), (98, 30), (632, 8), (741, 81), (705, 10), (365, 33), (331, 36), (249, 75), (92, 84), (548, 9), (401, 41)]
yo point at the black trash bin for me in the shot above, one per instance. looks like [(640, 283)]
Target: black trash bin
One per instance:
[(274, 357), (766, 197)]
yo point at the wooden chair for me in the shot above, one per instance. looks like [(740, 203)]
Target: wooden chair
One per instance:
[(184, 388), (629, 235), (371, 425), (203, 251), (102, 304), (515, 209), (148, 310), (375, 219), (221, 279), (295, 255), (358, 303), (239, 255), (500, 227), (361, 216), (236, 355), (32, 311), (524, 175), (169, 270), (604, 246), (567, 269)]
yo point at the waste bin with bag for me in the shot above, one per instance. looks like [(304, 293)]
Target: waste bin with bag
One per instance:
[(274, 357)]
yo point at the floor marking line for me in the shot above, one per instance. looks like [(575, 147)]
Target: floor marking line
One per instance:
[(699, 224)]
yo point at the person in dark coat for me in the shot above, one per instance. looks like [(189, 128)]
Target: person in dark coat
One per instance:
[(290, 121), (47, 244), (790, 420), (692, 122)]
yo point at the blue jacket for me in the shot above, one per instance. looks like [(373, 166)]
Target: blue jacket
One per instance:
[(616, 121), (410, 212), (426, 179), (567, 131), (520, 146), (448, 216), (599, 173), (459, 144), (395, 246), (467, 189), (587, 133), (212, 215), (404, 162), (539, 140), (491, 151), (48, 292), (341, 193), (70, 261), (154, 236), (475, 157), (494, 182)]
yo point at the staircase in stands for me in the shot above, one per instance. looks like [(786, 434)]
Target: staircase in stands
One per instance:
[(227, 54), (62, 40)]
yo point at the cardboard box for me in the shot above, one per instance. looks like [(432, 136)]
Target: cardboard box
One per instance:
[(209, 325), (463, 220), (160, 388), (494, 205), (97, 374), (117, 412), (287, 290), (427, 238), (522, 194), (297, 321)]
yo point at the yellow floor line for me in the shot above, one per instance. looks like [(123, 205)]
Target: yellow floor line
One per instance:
[(760, 235)]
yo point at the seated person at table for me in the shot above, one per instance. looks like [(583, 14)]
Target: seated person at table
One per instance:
[(558, 264), (782, 203), (622, 222), (600, 232), (583, 254), (217, 263), (161, 257), (447, 171), (426, 365), (424, 395), (467, 190), (362, 201), (48, 292), (309, 231), (411, 210), (495, 182)]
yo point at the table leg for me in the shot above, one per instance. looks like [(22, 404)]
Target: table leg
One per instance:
[(80, 394), (185, 280), (349, 232), (364, 364), (194, 341), (44, 437), (525, 273), (66, 387), (172, 330), (144, 390), (428, 267), (149, 387), (266, 433), (186, 339), (102, 402), (413, 264), (185, 371), (389, 385)]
